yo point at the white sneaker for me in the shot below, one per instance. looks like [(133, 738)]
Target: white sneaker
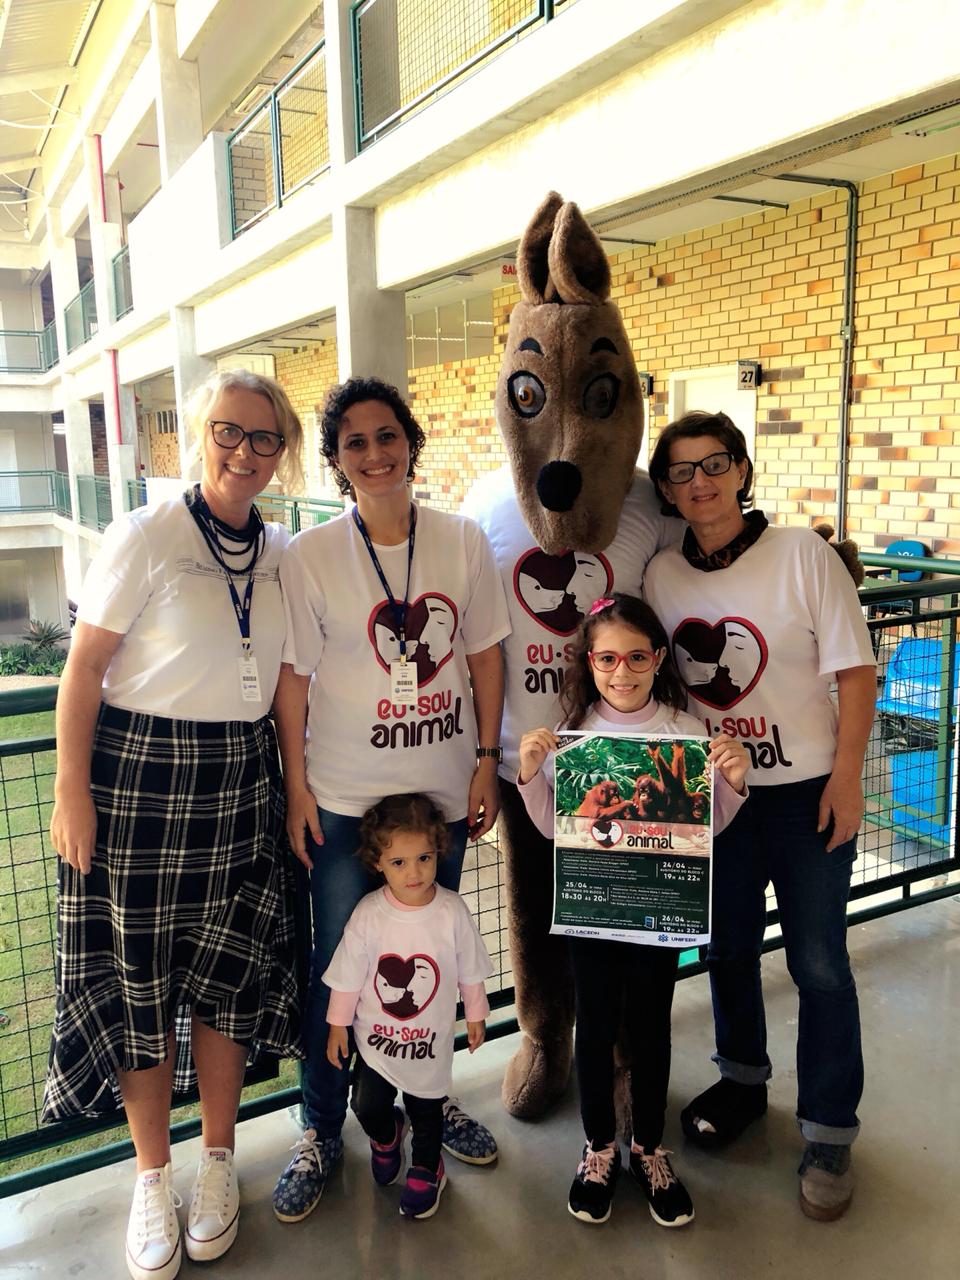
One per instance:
[(214, 1213), (153, 1232)]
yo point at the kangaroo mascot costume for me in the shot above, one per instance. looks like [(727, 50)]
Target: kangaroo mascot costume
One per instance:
[(570, 519)]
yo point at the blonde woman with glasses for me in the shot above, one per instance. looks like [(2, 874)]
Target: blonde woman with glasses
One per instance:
[(175, 927)]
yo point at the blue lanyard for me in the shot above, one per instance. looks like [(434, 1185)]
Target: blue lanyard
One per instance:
[(241, 608), (399, 611)]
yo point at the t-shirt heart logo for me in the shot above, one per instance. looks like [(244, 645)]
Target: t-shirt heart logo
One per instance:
[(557, 591), (431, 624), (719, 662), (405, 986)]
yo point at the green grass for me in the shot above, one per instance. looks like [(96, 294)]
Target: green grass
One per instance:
[(36, 724)]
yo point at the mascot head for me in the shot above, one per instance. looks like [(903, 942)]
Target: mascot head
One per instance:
[(568, 397)]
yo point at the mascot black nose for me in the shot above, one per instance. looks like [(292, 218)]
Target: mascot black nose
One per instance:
[(558, 485)]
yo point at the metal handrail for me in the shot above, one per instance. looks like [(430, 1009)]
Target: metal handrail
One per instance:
[(122, 287), (96, 505), (80, 317), (894, 822), (41, 344), (542, 11), (271, 105)]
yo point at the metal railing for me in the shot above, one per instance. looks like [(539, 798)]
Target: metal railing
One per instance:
[(93, 497), (28, 350), (297, 513), (62, 502), (28, 491), (136, 494), (80, 317), (122, 288), (405, 53), (907, 856), (281, 145)]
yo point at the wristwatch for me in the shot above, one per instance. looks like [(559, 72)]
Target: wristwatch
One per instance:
[(489, 753)]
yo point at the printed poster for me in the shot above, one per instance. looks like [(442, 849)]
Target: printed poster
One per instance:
[(634, 837)]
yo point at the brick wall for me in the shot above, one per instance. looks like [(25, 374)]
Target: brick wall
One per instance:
[(769, 286), (165, 453), (306, 375)]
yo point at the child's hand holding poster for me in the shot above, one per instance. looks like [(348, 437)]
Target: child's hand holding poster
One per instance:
[(634, 834)]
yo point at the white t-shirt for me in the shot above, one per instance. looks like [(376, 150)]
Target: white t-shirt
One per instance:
[(549, 596), (155, 582), (407, 966), (341, 630), (758, 645)]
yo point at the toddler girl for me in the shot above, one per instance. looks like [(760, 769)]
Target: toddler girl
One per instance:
[(393, 979), (620, 679)]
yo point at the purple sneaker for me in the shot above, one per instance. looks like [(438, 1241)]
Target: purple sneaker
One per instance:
[(387, 1157), (420, 1198)]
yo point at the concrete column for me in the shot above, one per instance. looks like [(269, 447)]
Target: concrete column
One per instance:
[(76, 424), (105, 235), (64, 276), (340, 102), (370, 321), (189, 370), (120, 411), (179, 121)]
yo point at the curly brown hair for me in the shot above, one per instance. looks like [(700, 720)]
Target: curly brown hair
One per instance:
[(342, 398), (414, 812)]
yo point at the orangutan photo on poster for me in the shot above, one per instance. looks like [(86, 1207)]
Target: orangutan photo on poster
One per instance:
[(634, 837)]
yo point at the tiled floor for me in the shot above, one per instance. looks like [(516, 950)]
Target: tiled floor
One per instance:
[(510, 1220)]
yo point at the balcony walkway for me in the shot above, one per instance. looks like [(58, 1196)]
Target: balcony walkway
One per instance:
[(511, 1221)]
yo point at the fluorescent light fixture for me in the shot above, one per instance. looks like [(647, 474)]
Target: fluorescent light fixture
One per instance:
[(933, 122)]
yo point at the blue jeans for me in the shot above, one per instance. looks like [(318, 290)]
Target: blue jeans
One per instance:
[(337, 883), (774, 837)]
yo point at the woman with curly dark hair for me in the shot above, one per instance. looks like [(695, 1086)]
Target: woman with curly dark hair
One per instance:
[(392, 682)]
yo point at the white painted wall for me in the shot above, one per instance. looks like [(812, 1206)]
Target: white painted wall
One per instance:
[(296, 289), (733, 96), (43, 581)]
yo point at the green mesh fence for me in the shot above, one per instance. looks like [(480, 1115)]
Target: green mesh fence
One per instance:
[(908, 854)]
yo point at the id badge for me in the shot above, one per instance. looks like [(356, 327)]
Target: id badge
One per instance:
[(403, 683), (249, 679)]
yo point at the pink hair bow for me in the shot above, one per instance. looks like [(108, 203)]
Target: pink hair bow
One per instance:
[(599, 605)]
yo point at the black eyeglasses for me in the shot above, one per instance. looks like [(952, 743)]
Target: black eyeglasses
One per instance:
[(714, 464), (263, 443)]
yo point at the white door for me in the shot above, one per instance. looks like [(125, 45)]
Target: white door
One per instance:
[(716, 391)]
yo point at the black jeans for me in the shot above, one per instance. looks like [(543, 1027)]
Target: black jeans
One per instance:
[(372, 1102), (623, 983), (774, 837)]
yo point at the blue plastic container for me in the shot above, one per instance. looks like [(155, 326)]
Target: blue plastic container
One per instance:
[(913, 782)]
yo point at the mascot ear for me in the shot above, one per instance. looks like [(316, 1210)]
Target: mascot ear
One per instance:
[(847, 550), (579, 270), (533, 271)]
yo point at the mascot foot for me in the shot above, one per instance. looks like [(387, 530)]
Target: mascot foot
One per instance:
[(536, 1077)]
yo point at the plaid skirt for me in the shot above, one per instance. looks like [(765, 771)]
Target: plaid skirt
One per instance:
[(190, 907)]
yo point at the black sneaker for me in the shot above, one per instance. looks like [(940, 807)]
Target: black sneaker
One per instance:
[(668, 1198), (591, 1193)]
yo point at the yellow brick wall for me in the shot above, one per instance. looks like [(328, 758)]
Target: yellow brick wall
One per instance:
[(306, 375), (769, 286), (164, 453)]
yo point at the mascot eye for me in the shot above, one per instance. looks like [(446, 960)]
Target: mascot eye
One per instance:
[(526, 394), (600, 396)]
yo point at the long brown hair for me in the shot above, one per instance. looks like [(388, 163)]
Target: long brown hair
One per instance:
[(579, 692)]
